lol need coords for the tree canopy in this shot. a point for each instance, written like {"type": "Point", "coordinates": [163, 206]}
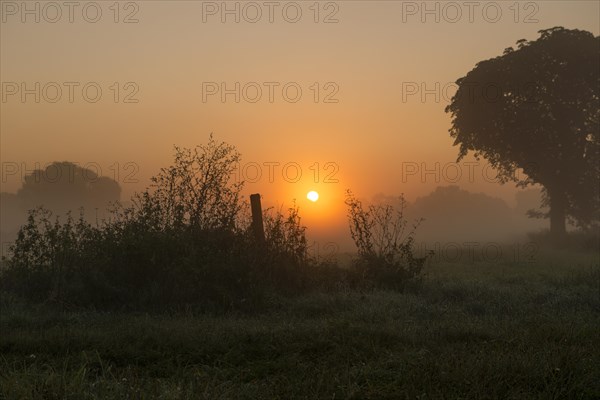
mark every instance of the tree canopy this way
{"type": "Point", "coordinates": [536, 108]}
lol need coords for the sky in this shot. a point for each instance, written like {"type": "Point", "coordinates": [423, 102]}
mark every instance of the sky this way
{"type": "Point", "coordinates": [324, 96]}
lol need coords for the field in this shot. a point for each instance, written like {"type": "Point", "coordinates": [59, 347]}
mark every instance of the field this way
{"type": "Point", "coordinates": [470, 331]}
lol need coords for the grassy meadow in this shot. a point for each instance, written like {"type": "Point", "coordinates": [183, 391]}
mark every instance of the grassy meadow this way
{"type": "Point", "coordinates": [527, 330]}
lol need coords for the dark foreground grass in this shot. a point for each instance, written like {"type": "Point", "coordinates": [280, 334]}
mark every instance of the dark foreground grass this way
{"type": "Point", "coordinates": [469, 332]}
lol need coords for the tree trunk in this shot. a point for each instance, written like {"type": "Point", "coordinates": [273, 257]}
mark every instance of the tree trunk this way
{"type": "Point", "coordinates": [558, 229]}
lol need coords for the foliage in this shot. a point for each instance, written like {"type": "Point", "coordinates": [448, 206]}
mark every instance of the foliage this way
{"type": "Point", "coordinates": [385, 247]}
{"type": "Point", "coordinates": [585, 217]}
{"type": "Point", "coordinates": [537, 108]}
{"type": "Point", "coordinates": [285, 234]}
{"type": "Point", "coordinates": [47, 256]}
{"type": "Point", "coordinates": [184, 240]}
{"type": "Point", "coordinates": [197, 191]}
{"type": "Point", "coordinates": [187, 240]}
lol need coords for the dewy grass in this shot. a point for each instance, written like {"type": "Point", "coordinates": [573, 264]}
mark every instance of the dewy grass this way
{"type": "Point", "coordinates": [514, 333]}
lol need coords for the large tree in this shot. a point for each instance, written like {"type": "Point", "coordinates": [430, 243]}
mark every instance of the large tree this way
{"type": "Point", "coordinates": [536, 108]}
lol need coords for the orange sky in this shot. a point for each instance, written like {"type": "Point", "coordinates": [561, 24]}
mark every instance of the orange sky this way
{"type": "Point", "coordinates": [365, 139]}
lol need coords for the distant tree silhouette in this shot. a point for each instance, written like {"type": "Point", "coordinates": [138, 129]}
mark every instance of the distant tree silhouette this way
{"type": "Point", "coordinates": [64, 186]}
{"type": "Point", "coordinates": [457, 215]}
{"type": "Point", "coordinates": [537, 108]}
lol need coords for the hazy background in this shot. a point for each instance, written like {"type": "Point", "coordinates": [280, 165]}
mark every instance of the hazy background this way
{"type": "Point", "coordinates": [377, 139]}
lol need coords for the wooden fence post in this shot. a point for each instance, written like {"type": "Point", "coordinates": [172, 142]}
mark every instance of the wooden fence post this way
{"type": "Point", "coordinates": [257, 218]}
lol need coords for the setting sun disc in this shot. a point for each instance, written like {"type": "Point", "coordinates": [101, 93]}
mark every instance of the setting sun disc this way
{"type": "Point", "coordinates": [312, 196]}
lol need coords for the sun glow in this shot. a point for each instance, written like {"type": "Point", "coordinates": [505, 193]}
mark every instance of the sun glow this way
{"type": "Point", "coordinates": [312, 196]}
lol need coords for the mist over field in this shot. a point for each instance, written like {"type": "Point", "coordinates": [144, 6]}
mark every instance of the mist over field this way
{"type": "Point", "coordinates": [447, 212]}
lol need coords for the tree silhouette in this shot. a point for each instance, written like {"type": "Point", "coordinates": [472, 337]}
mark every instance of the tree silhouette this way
{"type": "Point", "coordinates": [536, 108]}
{"type": "Point", "coordinates": [65, 186]}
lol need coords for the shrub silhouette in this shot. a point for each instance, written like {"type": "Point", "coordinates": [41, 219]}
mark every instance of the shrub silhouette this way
{"type": "Point", "coordinates": [184, 240]}
{"type": "Point", "coordinates": [286, 248]}
{"type": "Point", "coordinates": [187, 240]}
{"type": "Point", "coordinates": [385, 247]}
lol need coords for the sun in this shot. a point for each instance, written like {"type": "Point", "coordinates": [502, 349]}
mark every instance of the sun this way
{"type": "Point", "coordinates": [312, 196]}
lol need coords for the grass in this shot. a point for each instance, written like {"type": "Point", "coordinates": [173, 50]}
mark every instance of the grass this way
{"type": "Point", "coordinates": [471, 331]}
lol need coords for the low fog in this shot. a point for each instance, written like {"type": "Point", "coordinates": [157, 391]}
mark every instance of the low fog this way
{"type": "Point", "coordinates": [450, 213]}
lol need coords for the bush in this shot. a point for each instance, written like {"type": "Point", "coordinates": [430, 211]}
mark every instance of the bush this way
{"type": "Point", "coordinates": [184, 240]}
{"type": "Point", "coordinates": [45, 255]}
{"type": "Point", "coordinates": [385, 248]}
{"type": "Point", "coordinates": [187, 240]}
